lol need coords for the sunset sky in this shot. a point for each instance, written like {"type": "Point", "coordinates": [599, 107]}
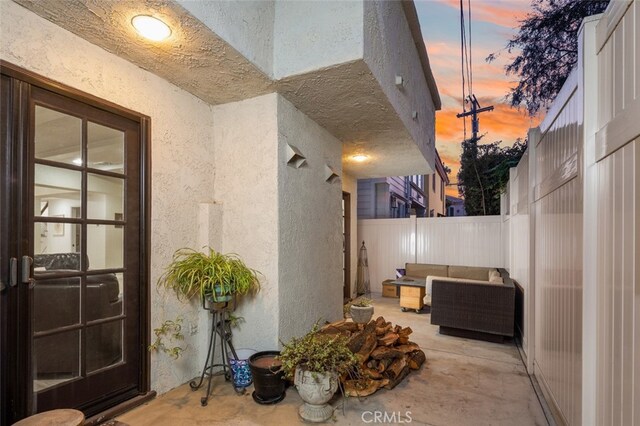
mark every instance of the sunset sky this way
{"type": "Point", "coordinates": [493, 23]}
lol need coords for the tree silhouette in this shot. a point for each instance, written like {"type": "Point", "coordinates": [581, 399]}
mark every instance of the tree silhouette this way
{"type": "Point", "coordinates": [547, 49]}
{"type": "Point", "coordinates": [484, 173]}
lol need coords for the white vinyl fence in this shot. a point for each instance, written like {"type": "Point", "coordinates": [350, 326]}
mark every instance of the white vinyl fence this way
{"type": "Point", "coordinates": [574, 231]}
{"type": "Point", "coordinates": [569, 233]}
{"type": "Point", "coordinates": [470, 241]}
{"type": "Point", "coordinates": [612, 311]}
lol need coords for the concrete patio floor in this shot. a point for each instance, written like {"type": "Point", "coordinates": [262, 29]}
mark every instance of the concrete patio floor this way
{"type": "Point", "coordinates": [463, 382]}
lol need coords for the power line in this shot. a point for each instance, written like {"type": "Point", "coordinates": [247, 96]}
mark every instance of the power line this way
{"type": "Point", "coordinates": [466, 62]}
{"type": "Point", "coordinates": [462, 62]}
{"type": "Point", "coordinates": [466, 59]}
{"type": "Point", "coordinates": [469, 53]}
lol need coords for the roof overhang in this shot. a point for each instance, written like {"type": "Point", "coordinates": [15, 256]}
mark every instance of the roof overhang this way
{"type": "Point", "coordinates": [350, 99]}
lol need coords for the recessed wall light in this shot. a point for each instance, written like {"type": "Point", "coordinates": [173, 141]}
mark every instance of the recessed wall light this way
{"type": "Point", "coordinates": [359, 158]}
{"type": "Point", "coordinates": [150, 27]}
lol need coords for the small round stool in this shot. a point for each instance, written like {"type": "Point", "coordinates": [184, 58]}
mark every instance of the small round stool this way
{"type": "Point", "coordinates": [65, 417]}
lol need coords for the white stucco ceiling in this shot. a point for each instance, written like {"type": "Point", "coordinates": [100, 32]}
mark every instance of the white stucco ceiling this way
{"type": "Point", "coordinates": [346, 99]}
{"type": "Point", "coordinates": [193, 57]}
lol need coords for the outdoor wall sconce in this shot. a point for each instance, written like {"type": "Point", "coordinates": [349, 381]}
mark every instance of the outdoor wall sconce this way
{"type": "Point", "coordinates": [399, 82]}
{"type": "Point", "coordinates": [330, 175]}
{"type": "Point", "coordinates": [295, 157]}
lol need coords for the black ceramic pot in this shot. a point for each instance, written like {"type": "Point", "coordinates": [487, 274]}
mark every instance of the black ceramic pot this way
{"type": "Point", "coordinates": [268, 381]}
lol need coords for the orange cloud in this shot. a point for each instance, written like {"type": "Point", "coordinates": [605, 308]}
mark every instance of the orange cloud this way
{"type": "Point", "coordinates": [503, 123]}
{"type": "Point", "coordinates": [505, 13]}
{"type": "Point", "coordinates": [490, 84]}
{"type": "Point", "coordinates": [489, 79]}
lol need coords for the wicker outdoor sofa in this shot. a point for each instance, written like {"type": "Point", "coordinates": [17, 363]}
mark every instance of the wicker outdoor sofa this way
{"type": "Point", "coordinates": [468, 301]}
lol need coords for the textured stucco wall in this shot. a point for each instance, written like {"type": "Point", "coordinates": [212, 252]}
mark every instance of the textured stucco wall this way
{"type": "Point", "coordinates": [181, 147]}
{"type": "Point", "coordinates": [311, 35]}
{"type": "Point", "coordinates": [246, 182]}
{"type": "Point", "coordinates": [350, 185]}
{"type": "Point", "coordinates": [284, 222]}
{"type": "Point", "coordinates": [245, 25]}
{"type": "Point", "coordinates": [193, 57]}
{"type": "Point", "coordinates": [327, 59]}
{"type": "Point", "coordinates": [389, 50]}
{"type": "Point", "coordinates": [310, 215]}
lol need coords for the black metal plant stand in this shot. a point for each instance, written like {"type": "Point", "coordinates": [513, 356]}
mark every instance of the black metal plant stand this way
{"type": "Point", "coordinates": [220, 327]}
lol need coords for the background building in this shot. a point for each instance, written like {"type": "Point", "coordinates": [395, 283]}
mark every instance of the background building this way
{"type": "Point", "coordinates": [435, 185]}
{"type": "Point", "coordinates": [399, 196]}
{"type": "Point", "coordinates": [455, 206]}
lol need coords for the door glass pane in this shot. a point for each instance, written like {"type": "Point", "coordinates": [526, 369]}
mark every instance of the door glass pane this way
{"type": "Point", "coordinates": [56, 192]}
{"type": "Point", "coordinates": [105, 148]}
{"type": "Point", "coordinates": [105, 197]}
{"type": "Point", "coordinates": [104, 345]}
{"type": "Point", "coordinates": [56, 247]}
{"type": "Point", "coordinates": [56, 359]}
{"type": "Point", "coordinates": [58, 136]}
{"type": "Point", "coordinates": [56, 303]}
{"type": "Point", "coordinates": [105, 246]}
{"type": "Point", "coordinates": [104, 296]}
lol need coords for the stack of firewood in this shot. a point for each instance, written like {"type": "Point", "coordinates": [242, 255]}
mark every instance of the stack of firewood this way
{"type": "Point", "coordinates": [384, 351]}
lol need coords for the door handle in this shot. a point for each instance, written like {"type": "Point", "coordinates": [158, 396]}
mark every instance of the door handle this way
{"type": "Point", "coordinates": [26, 270]}
{"type": "Point", "coordinates": [13, 272]}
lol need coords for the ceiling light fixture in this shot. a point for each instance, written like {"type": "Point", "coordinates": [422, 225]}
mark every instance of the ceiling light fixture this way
{"type": "Point", "coordinates": [359, 158]}
{"type": "Point", "coordinates": [150, 27]}
{"type": "Point", "coordinates": [77, 161]}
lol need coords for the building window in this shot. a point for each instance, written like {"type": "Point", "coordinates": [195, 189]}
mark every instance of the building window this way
{"type": "Point", "coordinates": [433, 182]}
{"type": "Point", "coordinates": [394, 207]}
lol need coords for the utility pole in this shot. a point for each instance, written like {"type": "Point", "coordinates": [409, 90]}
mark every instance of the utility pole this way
{"type": "Point", "coordinates": [473, 112]}
{"type": "Point", "coordinates": [475, 128]}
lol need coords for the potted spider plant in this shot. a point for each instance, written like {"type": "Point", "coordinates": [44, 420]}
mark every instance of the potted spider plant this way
{"type": "Point", "coordinates": [316, 362]}
{"type": "Point", "coordinates": [213, 276]}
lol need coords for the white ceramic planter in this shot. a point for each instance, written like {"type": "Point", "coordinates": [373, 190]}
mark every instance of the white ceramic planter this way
{"type": "Point", "coordinates": [361, 315]}
{"type": "Point", "coordinates": [315, 392]}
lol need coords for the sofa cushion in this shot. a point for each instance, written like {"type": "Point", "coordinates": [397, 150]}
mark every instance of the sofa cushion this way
{"type": "Point", "coordinates": [423, 270]}
{"type": "Point", "coordinates": [429, 286]}
{"type": "Point", "coordinates": [57, 261]}
{"type": "Point", "coordinates": [465, 281]}
{"type": "Point", "coordinates": [470, 272]}
{"type": "Point", "coordinates": [495, 277]}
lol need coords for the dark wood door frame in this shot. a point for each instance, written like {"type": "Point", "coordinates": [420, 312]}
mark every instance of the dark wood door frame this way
{"type": "Point", "coordinates": [16, 86]}
{"type": "Point", "coordinates": [346, 197]}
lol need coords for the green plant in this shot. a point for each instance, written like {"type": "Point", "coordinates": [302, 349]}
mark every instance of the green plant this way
{"type": "Point", "coordinates": [363, 302]}
{"type": "Point", "coordinates": [318, 353]}
{"type": "Point", "coordinates": [171, 330]}
{"type": "Point", "coordinates": [235, 321]}
{"type": "Point", "coordinates": [214, 274]}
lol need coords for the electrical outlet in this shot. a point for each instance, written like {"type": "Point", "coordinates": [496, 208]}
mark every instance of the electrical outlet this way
{"type": "Point", "coordinates": [194, 329]}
